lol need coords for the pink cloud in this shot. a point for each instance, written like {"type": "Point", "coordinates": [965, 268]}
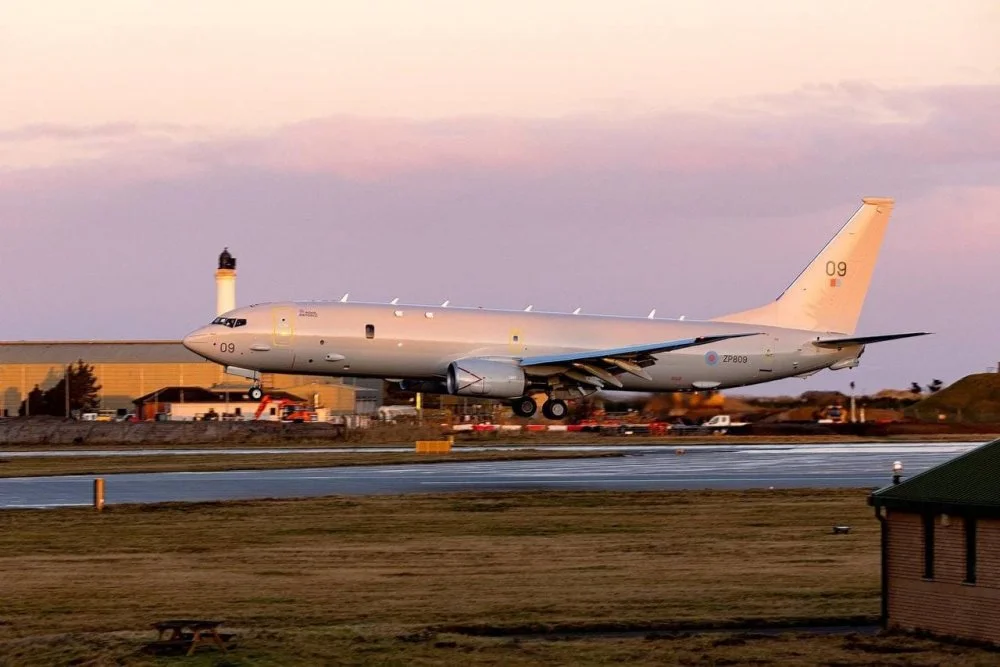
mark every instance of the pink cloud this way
{"type": "Point", "coordinates": [822, 124]}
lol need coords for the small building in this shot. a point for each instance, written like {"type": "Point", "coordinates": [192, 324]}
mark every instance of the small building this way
{"type": "Point", "coordinates": [941, 548]}
{"type": "Point", "coordinates": [198, 403]}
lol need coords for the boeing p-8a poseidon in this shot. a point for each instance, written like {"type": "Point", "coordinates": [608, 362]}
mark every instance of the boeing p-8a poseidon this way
{"type": "Point", "coordinates": [514, 355]}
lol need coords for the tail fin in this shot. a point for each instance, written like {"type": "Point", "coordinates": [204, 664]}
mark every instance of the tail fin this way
{"type": "Point", "coordinates": [829, 294]}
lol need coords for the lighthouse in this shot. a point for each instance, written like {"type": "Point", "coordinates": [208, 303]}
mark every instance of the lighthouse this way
{"type": "Point", "coordinates": [225, 283]}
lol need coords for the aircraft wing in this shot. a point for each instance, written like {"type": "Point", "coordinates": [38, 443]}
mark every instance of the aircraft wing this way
{"type": "Point", "coordinates": [595, 367]}
{"type": "Point", "coordinates": [864, 340]}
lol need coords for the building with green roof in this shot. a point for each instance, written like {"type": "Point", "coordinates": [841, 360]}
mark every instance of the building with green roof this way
{"type": "Point", "coordinates": [941, 548]}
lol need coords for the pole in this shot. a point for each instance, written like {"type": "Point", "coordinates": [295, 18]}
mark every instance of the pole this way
{"type": "Point", "coordinates": [99, 494]}
{"type": "Point", "coordinates": [66, 387]}
{"type": "Point", "coordinates": [853, 417]}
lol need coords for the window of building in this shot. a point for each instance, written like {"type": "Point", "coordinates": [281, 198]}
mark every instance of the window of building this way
{"type": "Point", "coordinates": [369, 331]}
{"type": "Point", "coordinates": [928, 546]}
{"type": "Point", "coordinates": [970, 550]}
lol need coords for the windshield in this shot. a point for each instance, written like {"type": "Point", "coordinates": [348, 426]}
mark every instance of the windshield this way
{"type": "Point", "coordinates": [229, 321]}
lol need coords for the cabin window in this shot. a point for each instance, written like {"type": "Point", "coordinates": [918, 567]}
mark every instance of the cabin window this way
{"type": "Point", "coordinates": [928, 546]}
{"type": "Point", "coordinates": [970, 550]}
{"type": "Point", "coordinates": [369, 331]}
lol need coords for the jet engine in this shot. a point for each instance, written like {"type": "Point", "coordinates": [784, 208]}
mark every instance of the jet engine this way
{"type": "Point", "coordinates": [486, 378]}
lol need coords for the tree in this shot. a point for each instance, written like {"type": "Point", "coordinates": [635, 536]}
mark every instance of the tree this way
{"type": "Point", "coordinates": [935, 386]}
{"type": "Point", "coordinates": [34, 404]}
{"type": "Point", "coordinates": [916, 388]}
{"type": "Point", "coordinates": [83, 391]}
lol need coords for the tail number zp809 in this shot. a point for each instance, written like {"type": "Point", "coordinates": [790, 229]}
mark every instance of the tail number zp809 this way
{"type": "Point", "coordinates": [735, 359]}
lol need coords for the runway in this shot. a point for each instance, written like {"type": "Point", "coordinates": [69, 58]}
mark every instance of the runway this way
{"type": "Point", "coordinates": [642, 468]}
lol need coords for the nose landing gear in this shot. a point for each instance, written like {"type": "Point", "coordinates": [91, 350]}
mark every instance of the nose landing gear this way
{"type": "Point", "coordinates": [256, 393]}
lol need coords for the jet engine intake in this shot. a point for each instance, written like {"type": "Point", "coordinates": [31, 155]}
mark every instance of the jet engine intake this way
{"type": "Point", "coordinates": [486, 378]}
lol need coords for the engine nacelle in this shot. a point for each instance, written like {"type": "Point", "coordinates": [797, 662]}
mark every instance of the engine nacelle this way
{"type": "Point", "coordinates": [489, 379]}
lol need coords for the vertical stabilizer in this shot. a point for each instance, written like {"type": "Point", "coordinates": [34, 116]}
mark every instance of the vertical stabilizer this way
{"type": "Point", "coordinates": [829, 294]}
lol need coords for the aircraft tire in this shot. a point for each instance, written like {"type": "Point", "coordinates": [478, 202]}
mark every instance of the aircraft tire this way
{"type": "Point", "coordinates": [524, 406]}
{"type": "Point", "coordinates": [555, 409]}
{"type": "Point", "coordinates": [256, 393]}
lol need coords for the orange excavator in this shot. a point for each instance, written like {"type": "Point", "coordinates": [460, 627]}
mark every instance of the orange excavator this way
{"type": "Point", "coordinates": [288, 411]}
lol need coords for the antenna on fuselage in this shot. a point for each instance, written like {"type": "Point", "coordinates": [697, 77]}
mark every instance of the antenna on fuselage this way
{"type": "Point", "coordinates": [651, 313]}
{"type": "Point", "coordinates": [682, 317]}
{"type": "Point", "coordinates": [343, 299]}
{"type": "Point", "coordinates": [576, 312]}
{"type": "Point", "coordinates": [528, 309]}
{"type": "Point", "coordinates": [445, 304]}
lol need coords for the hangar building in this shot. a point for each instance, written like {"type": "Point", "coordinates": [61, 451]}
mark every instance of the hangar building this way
{"type": "Point", "coordinates": [128, 369]}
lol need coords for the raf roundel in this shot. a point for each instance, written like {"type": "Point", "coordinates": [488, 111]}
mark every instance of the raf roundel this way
{"type": "Point", "coordinates": [711, 358]}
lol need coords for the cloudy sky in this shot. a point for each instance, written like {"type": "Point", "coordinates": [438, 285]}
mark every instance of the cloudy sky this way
{"type": "Point", "coordinates": [622, 156]}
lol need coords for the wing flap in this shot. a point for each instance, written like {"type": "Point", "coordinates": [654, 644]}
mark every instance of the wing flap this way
{"type": "Point", "coordinates": [864, 340]}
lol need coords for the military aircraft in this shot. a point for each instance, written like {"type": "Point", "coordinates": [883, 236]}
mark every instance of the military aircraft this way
{"type": "Point", "coordinates": [516, 355]}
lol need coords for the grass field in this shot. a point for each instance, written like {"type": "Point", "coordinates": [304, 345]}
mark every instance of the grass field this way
{"type": "Point", "coordinates": [405, 580]}
{"type": "Point", "coordinates": [106, 465]}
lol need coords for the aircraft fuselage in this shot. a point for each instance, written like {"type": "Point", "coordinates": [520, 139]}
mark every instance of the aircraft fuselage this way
{"type": "Point", "coordinates": [419, 342]}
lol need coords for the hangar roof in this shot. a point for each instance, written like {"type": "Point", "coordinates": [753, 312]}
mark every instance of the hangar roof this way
{"type": "Point", "coordinates": [96, 352]}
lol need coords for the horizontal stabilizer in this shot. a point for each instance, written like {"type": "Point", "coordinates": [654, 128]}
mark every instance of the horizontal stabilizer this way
{"type": "Point", "coordinates": [864, 340]}
{"type": "Point", "coordinates": [619, 352]}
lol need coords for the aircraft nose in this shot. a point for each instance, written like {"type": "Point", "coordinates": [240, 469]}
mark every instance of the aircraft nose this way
{"type": "Point", "coordinates": [198, 341]}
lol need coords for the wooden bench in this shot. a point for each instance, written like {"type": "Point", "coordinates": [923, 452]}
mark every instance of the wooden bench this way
{"type": "Point", "coordinates": [190, 634]}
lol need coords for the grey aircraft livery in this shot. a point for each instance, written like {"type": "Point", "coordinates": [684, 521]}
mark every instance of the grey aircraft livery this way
{"type": "Point", "coordinates": [515, 355]}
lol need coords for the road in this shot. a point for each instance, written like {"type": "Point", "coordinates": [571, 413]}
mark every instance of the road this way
{"type": "Point", "coordinates": [642, 468]}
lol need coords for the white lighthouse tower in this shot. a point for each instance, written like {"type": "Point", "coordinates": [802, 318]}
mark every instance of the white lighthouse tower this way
{"type": "Point", "coordinates": [225, 283]}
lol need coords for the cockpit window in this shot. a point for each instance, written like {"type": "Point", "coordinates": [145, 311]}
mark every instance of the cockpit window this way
{"type": "Point", "coordinates": [230, 321]}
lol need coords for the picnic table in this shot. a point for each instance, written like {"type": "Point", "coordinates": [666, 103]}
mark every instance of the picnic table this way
{"type": "Point", "coordinates": [189, 633]}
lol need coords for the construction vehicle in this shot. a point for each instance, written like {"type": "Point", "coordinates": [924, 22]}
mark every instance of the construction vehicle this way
{"type": "Point", "coordinates": [832, 414]}
{"type": "Point", "coordinates": [287, 410]}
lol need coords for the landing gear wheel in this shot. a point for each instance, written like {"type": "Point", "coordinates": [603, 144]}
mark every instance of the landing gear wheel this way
{"type": "Point", "coordinates": [524, 406]}
{"type": "Point", "coordinates": [554, 409]}
{"type": "Point", "coordinates": [256, 393]}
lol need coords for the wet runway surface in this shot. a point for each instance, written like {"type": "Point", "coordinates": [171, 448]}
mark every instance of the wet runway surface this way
{"type": "Point", "coordinates": [642, 468]}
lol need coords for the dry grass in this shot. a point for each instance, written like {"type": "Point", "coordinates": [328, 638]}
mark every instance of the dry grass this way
{"type": "Point", "coordinates": [107, 465]}
{"type": "Point", "coordinates": [385, 580]}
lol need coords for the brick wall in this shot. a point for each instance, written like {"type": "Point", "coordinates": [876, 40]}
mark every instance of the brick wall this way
{"type": "Point", "coordinates": [944, 605]}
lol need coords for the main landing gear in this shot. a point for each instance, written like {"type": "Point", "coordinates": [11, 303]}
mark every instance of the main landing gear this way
{"type": "Point", "coordinates": [555, 408]}
{"type": "Point", "coordinates": [552, 409]}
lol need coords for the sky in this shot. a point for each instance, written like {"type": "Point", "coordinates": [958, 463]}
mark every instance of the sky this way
{"type": "Point", "coordinates": [619, 157]}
